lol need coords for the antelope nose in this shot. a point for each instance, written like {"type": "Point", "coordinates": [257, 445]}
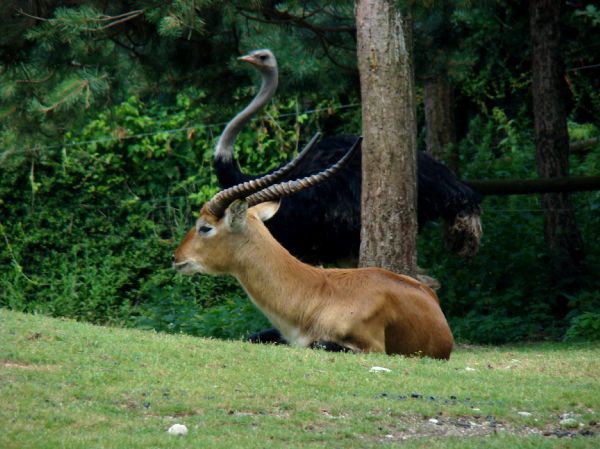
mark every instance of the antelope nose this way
{"type": "Point", "coordinates": [173, 259]}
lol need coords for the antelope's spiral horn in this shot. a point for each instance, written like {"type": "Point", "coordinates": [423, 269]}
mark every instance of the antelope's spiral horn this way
{"type": "Point", "coordinates": [224, 198]}
{"type": "Point", "coordinates": [290, 187]}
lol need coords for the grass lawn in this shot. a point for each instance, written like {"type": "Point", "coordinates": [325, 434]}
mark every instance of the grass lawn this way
{"type": "Point", "coordinates": [70, 385]}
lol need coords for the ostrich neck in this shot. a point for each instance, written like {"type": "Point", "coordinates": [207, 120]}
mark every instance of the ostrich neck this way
{"type": "Point", "coordinates": [268, 87]}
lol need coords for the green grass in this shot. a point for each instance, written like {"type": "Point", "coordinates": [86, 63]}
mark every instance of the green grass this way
{"type": "Point", "coordinates": [70, 385]}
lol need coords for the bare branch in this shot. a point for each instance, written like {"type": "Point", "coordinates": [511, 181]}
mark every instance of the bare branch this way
{"type": "Point", "coordinates": [582, 145]}
{"type": "Point", "coordinates": [539, 185]}
{"type": "Point", "coordinates": [284, 16]}
{"type": "Point", "coordinates": [82, 85]}
{"type": "Point", "coordinates": [40, 81]}
{"type": "Point", "coordinates": [116, 19]}
{"type": "Point", "coordinates": [23, 13]}
{"type": "Point", "coordinates": [129, 16]}
{"type": "Point", "coordinates": [278, 17]}
{"type": "Point", "coordinates": [136, 12]}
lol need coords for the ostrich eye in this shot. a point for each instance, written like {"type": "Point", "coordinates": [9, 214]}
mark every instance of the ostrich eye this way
{"type": "Point", "coordinates": [263, 57]}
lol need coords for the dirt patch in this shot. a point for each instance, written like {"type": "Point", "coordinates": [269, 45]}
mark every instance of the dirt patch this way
{"type": "Point", "coordinates": [472, 426]}
{"type": "Point", "coordinates": [414, 427]}
{"type": "Point", "coordinates": [26, 366]}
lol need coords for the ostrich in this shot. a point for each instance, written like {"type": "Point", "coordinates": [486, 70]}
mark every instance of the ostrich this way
{"type": "Point", "coordinates": [322, 224]}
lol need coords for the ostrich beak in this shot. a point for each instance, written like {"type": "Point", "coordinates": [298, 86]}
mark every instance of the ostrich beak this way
{"type": "Point", "coordinates": [247, 58]}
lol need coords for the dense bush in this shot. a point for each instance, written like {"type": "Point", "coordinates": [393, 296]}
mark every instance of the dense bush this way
{"type": "Point", "coordinates": [505, 293]}
{"type": "Point", "coordinates": [88, 229]}
{"type": "Point", "coordinates": [90, 225]}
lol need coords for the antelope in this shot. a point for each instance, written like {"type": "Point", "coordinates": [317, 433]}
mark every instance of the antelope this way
{"type": "Point", "coordinates": [355, 309]}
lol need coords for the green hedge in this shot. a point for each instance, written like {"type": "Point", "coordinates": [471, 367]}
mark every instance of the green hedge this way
{"type": "Point", "coordinates": [88, 230]}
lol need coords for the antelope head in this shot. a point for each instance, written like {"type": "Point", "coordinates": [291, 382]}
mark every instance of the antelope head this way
{"type": "Point", "coordinates": [211, 246]}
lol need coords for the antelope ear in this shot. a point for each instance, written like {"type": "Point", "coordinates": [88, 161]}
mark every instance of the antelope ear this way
{"type": "Point", "coordinates": [264, 211]}
{"type": "Point", "coordinates": [235, 216]}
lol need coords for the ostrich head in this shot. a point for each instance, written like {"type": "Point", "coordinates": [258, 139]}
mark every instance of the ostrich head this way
{"type": "Point", "coordinates": [263, 59]}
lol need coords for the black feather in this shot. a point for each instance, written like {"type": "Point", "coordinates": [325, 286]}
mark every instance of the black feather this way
{"type": "Point", "coordinates": [322, 224]}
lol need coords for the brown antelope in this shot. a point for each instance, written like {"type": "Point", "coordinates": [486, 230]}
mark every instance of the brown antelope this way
{"type": "Point", "coordinates": [361, 309]}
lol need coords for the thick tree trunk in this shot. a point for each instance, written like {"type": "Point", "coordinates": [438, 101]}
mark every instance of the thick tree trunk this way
{"type": "Point", "coordinates": [388, 208]}
{"type": "Point", "coordinates": [552, 140]}
{"type": "Point", "coordinates": [438, 99]}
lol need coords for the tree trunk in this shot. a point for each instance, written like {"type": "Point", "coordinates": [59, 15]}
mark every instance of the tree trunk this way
{"type": "Point", "coordinates": [552, 141]}
{"type": "Point", "coordinates": [438, 99]}
{"type": "Point", "coordinates": [388, 207]}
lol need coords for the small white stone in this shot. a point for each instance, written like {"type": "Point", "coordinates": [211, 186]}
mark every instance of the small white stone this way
{"type": "Point", "coordinates": [468, 368]}
{"type": "Point", "coordinates": [568, 415]}
{"type": "Point", "coordinates": [379, 369]}
{"type": "Point", "coordinates": [569, 423]}
{"type": "Point", "coordinates": [433, 421]}
{"type": "Point", "coordinates": [389, 436]}
{"type": "Point", "coordinates": [178, 429]}
{"type": "Point", "coordinates": [524, 413]}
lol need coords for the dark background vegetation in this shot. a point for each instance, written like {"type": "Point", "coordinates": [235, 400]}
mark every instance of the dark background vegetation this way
{"type": "Point", "coordinates": [110, 110]}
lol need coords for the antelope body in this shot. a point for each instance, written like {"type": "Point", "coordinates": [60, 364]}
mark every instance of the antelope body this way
{"type": "Point", "coordinates": [361, 309]}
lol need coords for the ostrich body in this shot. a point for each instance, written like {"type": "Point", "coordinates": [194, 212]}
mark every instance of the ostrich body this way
{"type": "Point", "coordinates": [322, 224]}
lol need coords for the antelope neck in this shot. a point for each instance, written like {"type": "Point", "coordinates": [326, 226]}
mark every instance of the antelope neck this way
{"type": "Point", "coordinates": [278, 283]}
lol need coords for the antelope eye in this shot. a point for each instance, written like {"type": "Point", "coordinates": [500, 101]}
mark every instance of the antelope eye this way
{"type": "Point", "coordinates": [204, 229]}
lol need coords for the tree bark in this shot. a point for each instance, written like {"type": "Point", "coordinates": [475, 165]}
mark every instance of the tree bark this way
{"type": "Point", "coordinates": [552, 140]}
{"type": "Point", "coordinates": [440, 132]}
{"type": "Point", "coordinates": [389, 201]}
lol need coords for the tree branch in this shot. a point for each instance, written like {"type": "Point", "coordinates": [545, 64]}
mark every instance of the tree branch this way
{"type": "Point", "coordinates": [277, 17]}
{"type": "Point", "coordinates": [286, 17]}
{"type": "Point", "coordinates": [121, 15]}
{"type": "Point", "coordinates": [530, 186]}
{"type": "Point", "coordinates": [20, 11]}
{"type": "Point", "coordinates": [125, 17]}
{"type": "Point", "coordinates": [40, 81]}
{"type": "Point", "coordinates": [582, 145]}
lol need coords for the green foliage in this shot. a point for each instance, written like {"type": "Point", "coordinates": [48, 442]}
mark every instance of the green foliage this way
{"type": "Point", "coordinates": [233, 318]}
{"type": "Point", "coordinates": [585, 327]}
{"type": "Point", "coordinates": [591, 13]}
{"type": "Point", "coordinates": [584, 317]}
{"type": "Point", "coordinates": [505, 292]}
{"type": "Point", "coordinates": [88, 228]}
{"type": "Point", "coordinates": [88, 225]}
{"type": "Point", "coordinates": [62, 67]}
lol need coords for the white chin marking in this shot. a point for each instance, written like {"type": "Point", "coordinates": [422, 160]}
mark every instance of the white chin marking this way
{"type": "Point", "coordinates": [190, 267]}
